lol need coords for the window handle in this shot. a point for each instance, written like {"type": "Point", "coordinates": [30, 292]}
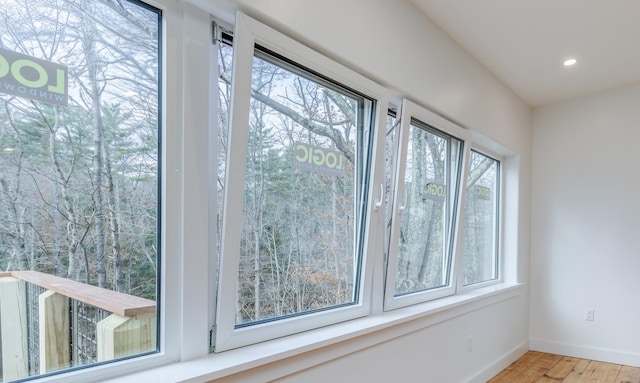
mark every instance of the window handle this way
{"type": "Point", "coordinates": [379, 201]}
{"type": "Point", "coordinates": [403, 206]}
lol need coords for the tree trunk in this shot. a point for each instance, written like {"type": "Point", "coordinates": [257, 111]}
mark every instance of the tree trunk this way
{"type": "Point", "coordinates": [114, 223]}
{"type": "Point", "coordinates": [11, 194]}
{"type": "Point", "coordinates": [18, 254]}
{"type": "Point", "coordinates": [428, 273]}
{"type": "Point", "coordinates": [74, 268]}
{"type": "Point", "coordinates": [88, 45]}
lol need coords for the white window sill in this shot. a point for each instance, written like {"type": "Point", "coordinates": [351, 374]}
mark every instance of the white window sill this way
{"type": "Point", "coordinates": [361, 333]}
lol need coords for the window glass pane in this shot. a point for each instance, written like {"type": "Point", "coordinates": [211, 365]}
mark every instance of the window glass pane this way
{"type": "Point", "coordinates": [481, 220]}
{"type": "Point", "coordinates": [303, 193]}
{"type": "Point", "coordinates": [390, 146]}
{"type": "Point", "coordinates": [79, 175]}
{"type": "Point", "coordinates": [225, 56]}
{"type": "Point", "coordinates": [424, 252]}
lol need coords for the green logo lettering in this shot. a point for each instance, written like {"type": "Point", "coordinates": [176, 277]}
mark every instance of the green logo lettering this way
{"type": "Point", "coordinates": [60, 82]}
{"type": "Point", "coordinates": [16, 71]}
{"type": "Point", "coordinates": [4, 66]}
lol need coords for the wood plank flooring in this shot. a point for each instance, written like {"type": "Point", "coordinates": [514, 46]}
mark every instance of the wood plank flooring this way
{"type": "Point", "coordinates": [540, 367]}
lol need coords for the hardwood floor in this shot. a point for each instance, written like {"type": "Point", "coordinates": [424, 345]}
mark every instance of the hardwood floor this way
{"type": "Point", "coordinates": [539, 367]}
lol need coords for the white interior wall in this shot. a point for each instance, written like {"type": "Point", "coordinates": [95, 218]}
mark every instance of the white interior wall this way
{"type": "Point", "coordinates": [432, 354]}
{"type": "Point", "coordinates": [585, 240]}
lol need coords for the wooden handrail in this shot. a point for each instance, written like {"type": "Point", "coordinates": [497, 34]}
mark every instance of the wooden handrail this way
{"type": "Point", "coordinates": [108, 300]}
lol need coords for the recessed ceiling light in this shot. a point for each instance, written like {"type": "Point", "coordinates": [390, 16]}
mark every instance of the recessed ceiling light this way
{"type": "Point", "coordinates": [570, 62]}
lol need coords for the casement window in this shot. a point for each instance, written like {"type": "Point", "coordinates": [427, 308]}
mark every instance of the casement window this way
{"type": "Point", "coordinates": [300, 156]}
{"type": "Point", "coordinates": [443, 231]}
{"type": "Point", "coordinates": [299, 204]}
{"type": "Point", "coordinates": [425, 220]}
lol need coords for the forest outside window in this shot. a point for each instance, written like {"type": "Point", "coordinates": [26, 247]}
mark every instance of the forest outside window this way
{"type": "Point", "coordinates": [303, 193]}
{"type": "Point", "coordinates": [79, 182]}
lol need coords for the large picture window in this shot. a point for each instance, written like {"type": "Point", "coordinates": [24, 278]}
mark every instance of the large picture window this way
{"type": "Point", "coordinates": [79, 183]}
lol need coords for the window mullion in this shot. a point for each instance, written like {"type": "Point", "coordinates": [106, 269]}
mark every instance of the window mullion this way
{"type": "Point", "coordinates": [195, 177]}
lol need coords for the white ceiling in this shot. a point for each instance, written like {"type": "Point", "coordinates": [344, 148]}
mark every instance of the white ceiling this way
{"type": "Point", "coordinates": [524, 42]}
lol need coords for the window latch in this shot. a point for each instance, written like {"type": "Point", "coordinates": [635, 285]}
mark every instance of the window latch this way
{"type": "Point", "coordinates": [379, 201]}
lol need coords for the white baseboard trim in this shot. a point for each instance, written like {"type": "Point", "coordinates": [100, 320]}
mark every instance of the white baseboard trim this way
{"type": "Point", "coordinates": [499, 365]}
{"type": "Point", "coordinates": [584, 352]}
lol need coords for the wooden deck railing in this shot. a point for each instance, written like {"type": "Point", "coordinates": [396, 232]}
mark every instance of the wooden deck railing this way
{"type": "Point", "coordinates": [129, 330]}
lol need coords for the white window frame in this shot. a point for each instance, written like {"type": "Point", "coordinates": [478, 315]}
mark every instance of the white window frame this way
{"type": "Point", "coordinates": [185, 256]}
{"type": "Point", "coordinates": [499, 227]}
{"type": "Point", "coordinates": [248, 33]}
{"type": "Point", "coordinates": [411, 110]}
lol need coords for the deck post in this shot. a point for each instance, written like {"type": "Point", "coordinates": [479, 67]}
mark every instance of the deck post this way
{"type": "Point", "coordinates": [54, 332]}
{"type": "Point", "coordinates": [13, 325]}
{"type": "Point", "coordinates": [120, 336]}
